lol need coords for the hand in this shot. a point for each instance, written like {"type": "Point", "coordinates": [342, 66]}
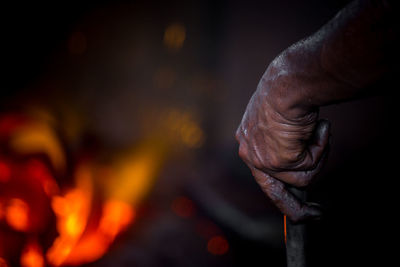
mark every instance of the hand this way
{"type": "Point", "coordinates": [281, 146]}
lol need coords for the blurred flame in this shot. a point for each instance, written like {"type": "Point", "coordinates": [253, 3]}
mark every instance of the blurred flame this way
{"type": "Point", "coordinates": [3, 262]}
{"type": "Point", "coordinates": [32, 256]}
{"type": "Point", "coordinates": [38, 137]}
{"type": "Point", "coordinates": [184, 126]}
{"type": "Point", "coordinates": [133, 174]}
{"type": "Point", "coordinates": [39, 171]}
{"type": "Point", "coordinates": [5, 172]}
{"type": "Point", "coordinates": [116, 216]}
{"type": "Point", "coordinates": [17, 214]}
{"type": "Point", "coordinates": [174, 36]}
{"type": "Point", "coordinates": [72, 211]}
{"type": "Point", "coordinates": [218, 245]}
{"type": "Point", "coordinates": [1, 211]}
{"type": "Point", "coordinates": [129, 179]}
{"type": "Point", "coordinates": [86, 228]}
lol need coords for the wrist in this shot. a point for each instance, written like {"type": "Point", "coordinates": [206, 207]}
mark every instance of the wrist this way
{"type": "Point", "coordinates": [289, 84]}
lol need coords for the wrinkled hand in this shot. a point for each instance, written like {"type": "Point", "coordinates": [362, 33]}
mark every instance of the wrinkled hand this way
{"type": "Point", "coordinates": [282, 148]}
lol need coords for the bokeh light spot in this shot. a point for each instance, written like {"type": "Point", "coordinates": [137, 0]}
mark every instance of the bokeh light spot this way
{"type": "Point", "coordinates": [32, 256]}
{"type": "Point", "coordinates": [17, 214]}
{"type": "Point", "coordinates": [3, 262]}
{"type": "Point", "coordinates": [183, 207]}
{"type": "Point", "coordinates": [174, 36]}
{"type": "Point", "coordinates": [218, 245]}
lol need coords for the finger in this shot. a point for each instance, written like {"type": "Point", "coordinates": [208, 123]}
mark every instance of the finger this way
{"type": "Point", "coordinates": [315, 149]}
{"type": "Point", "coordinates": [301, 178]}
{"type": "Point", "coordinates": [288, 204]}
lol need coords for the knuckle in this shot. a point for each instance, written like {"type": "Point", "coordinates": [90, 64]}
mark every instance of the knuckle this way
{"type": "Point", "coordinates": [259, 163]}
{"type": "Point", "coordinates": [292, 157]}
{"type": "Point", "coordinates": [243, 152]}
{"type": "Point", "coordinates": [273, 163]}
{"type": "Point", "coordinates": [238, 134]}
{"type": "Point", "coordinates": [304, 179]}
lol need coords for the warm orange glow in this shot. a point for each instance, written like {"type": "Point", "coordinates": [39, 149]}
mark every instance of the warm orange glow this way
{"type": "Point", "coordinates": [3, 262]}
{"type": "Point", "coordinates": [32, 256]}
{"type": "Point", "coordinates": [38, 138]}
{"type": "Point", "coordinates": [192, 135]}
{"type": "Point", "coordinates": [5, 172]}
{"type": "Point", "coordinates": [39, 171]}
{"type": "Point", "coordinates": [284, 227]}
{"type": "Point", "coordinates": [218, 245]}
{"type": "Point", "coordinates": [132, 176]}
{"type": "Point", "coordinates": [184, 127]}
{"type": "Point", "coordinates": [1, 210]}
{"type": "Point", "coordinates": [17, 214]}
{"type": "Point", "coordinates": [72, 211]}
{"type": "Point", "coordinates": [183, 207]}
{"type": "Point", "coordinates": [90, 248]}
{"type": "Point", "coordinates": [117, 215]}
{"type": "Point", "coordinates": [89, 214]}
{"type": "Point", "coordinates": [175, 36]}
{"type": "Point", "coordinates": [50, 187]}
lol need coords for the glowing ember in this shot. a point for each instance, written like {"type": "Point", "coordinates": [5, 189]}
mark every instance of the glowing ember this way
{"type": "Point", "coordinates": [217, 245]}
{"type": "Point", "coordinates": [5, 172]}
{"type": "Point", "coordinates": [32, 256]}
{"type": "Point", "coordinates": [174, 36]}
{"type": "Point", "coordinates": [3, 262]}
{"type": "Point", "coordinates": [17, 214]}
{"type": "Point", "coordinates": [72, 212]}
{"type": "Point", "coordinates": [1, 210]}
{"type": "Point", "coordinates": [116, 216]}
{"type": "Point", "coordinates": [89, 214]}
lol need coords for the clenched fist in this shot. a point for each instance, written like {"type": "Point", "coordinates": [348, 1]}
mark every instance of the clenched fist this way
{"type": "Point", "coordinates": [281, 138]}
{"type": "Point", "coordinates": [282, 147]}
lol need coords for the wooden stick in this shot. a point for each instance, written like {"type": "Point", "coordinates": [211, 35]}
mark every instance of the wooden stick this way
{"type": "Point", "coordinates": [296, 237]}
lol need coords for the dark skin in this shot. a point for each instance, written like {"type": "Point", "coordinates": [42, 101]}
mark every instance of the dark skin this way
{"type": "Point", "coordinates": [281, 138]}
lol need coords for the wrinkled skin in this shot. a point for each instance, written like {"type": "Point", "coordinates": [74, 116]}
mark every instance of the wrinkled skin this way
{"type": "Point", "coordinates": [281, 150]}
{"type": "Point", "coordinates": [281, 138]}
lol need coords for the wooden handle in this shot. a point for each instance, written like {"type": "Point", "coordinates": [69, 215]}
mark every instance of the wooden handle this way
{"type": "Point", "coordinates": [296, 237]}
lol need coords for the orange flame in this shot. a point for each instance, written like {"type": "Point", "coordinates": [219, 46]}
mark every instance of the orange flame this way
{"type": "Point", "coordinates": [3, 262]}
{"type": "Point", "coordinates": [72, 212]}
{"type": "Point", "coordinates": [17, 214]}
{"type": "Point", "coordinates": [80, 241]}
{"type": "Point", "coordinates": [5, 172]}
{"type": "Point", "coordinates": [116, 216]}
{"type": "Point", "coordinates": [85, 229]}
{"type": "Point", "coordinates": [32, 256]}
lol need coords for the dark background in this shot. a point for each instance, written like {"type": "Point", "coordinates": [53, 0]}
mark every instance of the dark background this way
{"type": "Point", "coordinates": [228, 46]}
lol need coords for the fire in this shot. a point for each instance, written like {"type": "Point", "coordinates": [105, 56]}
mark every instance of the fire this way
{"type": "Point", "coordinates": [82, 238]}
{"type": "Point", "coordinates": [117, 215]}
{"type": "Point", "coordinates": [17, 214]}
{"type": "Point", "coordinates": [3, 262]}
{"type": "Point", "coordinates": [100, 200]}
{"type": "Point", "coordinates": [32, 256]}
{"type": "Point", "coordinates": [72, 211]}
{"type": "Point", "coordinates": [5, 172]}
